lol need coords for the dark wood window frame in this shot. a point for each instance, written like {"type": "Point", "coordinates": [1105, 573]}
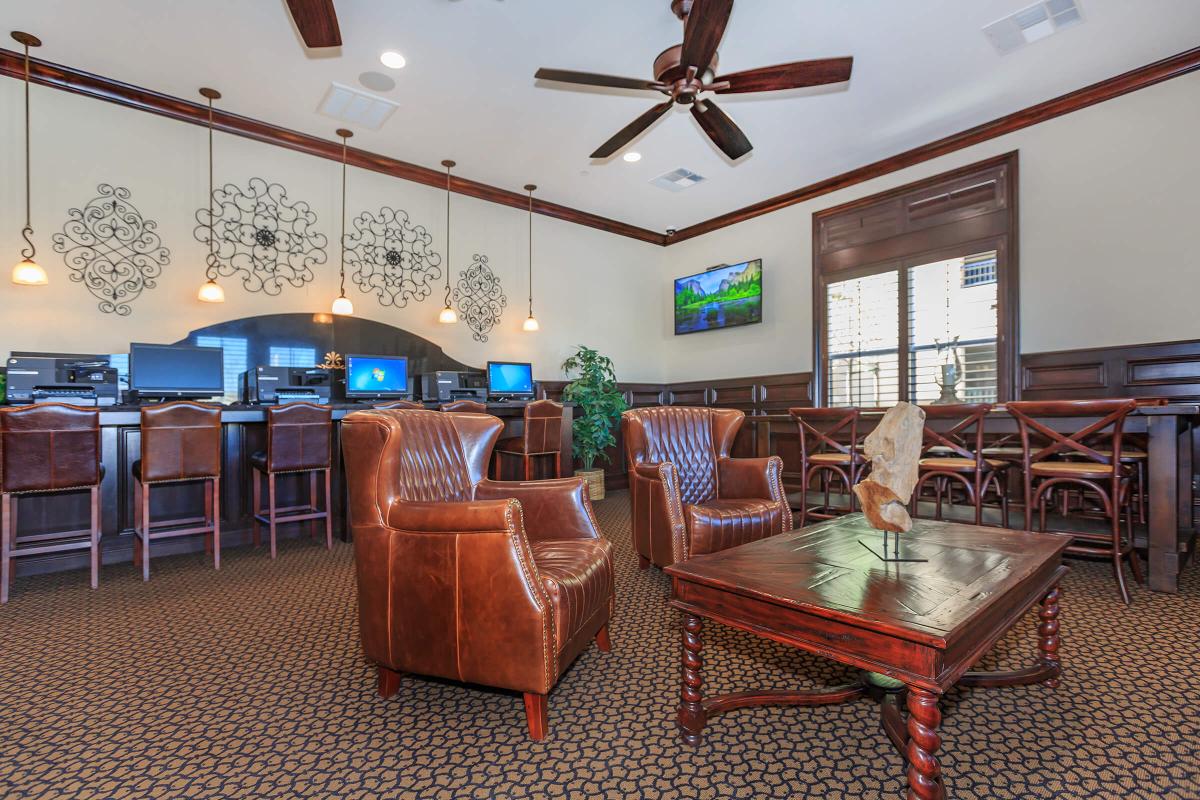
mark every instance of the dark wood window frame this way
{"type": "Point", "coordinates": [882, 233]}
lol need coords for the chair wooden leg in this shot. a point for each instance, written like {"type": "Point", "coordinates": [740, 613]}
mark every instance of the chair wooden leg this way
{"type": "Point", "coordinates": [312, 503]}
{"type": "Point", "coordinates": [602, 640]}
{"type": "Point", "coordinates": [388, 682]}
{"type": "Point", "coordinates": [146, 532]}
{"type": "Point", "coordinates": [208, 517]}
{"type": "Point", "coordinates": [6, 524]}
{"type": "Point", "coordinates": [137, 523]}
{"type": "Point", "coordinates": [643, 562]}
{"type": "Point", "coordinates": [271, 509]}
{"type": "Point", "coordinates": [215, 488]}
{"type": "Point", "coordinates": [535, 715]}
{"type": "Point", "coordinates": [1117, 558]}
{"type": "Point", "coordinates": [257, 509]}
{"type": "Point", "coordinates": [328, 510]}
{"type": "Point", "coordinates": [528, 468]}
{"type": "Point", "coordinates": [95, 537]}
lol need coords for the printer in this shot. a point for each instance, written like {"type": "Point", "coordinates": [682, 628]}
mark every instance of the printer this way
{"type": "Point", "coordinates": [87, 380]}
{"type": "Point", "coordinates": [446, 385]}
{"type": "Point", "coordinates": [271, 385]}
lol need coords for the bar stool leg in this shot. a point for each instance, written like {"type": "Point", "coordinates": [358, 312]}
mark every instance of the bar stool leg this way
{"type": "Point", "coordinates": [255, 524]}
{"type": "Point", "coordinates": [215, 488]}
{"type": "Point", "coordinates": [146, 532]}
{"type": "Point", "coordinates": [271, 509]}
{"type": "Point", "coordinates": [137, 523]}
{"type": "Point", "coordinates": [312, 503]}
{"type": "Point", "coordinates": [95, 536]}
{"type": "Point", "coordinates": [328, 510]}
{"type": "Point", "coordinates": [6, 525]}
{"type": "Point", "coordinates": [208, 517]}
{"type": "Point", "coordinates": [528, 465]}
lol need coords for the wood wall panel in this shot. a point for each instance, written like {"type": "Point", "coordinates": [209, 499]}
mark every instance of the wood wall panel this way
{"type": "Point", "coordinates": [1161, 369]}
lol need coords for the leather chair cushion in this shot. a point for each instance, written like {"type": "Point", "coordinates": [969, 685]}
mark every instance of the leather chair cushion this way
{"type": "Point", "coordinates": [578, 575]}
{"type": "Point", "coordinates": [721, 524]}
{"type": "Point", "coordinates": [957, 464]}
{"type": "Point", "coordinates": [511, 444]}
{"type": "Point", "coordinates": [137, 473]}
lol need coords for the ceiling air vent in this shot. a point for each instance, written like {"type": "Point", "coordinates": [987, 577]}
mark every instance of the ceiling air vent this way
{"type": "Point", "coordinates": [1031, 24]}
{"type": "Point", "coordinates": [677, 180]}
{"type": "Point", "coordinates": [356, 108]}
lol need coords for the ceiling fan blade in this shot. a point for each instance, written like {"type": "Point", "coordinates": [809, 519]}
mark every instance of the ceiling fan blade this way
{"type": "Point", "coordinates": [630, 131]}
{"type": "Point", "coordinates": [787, 76]}
{"type": "Point", "coordinates": [594, 79]}
{"type": "Point", "coordinates": [317, 22]}
{"type": "Point", "coordinates": [721, 129]}
{"type": "Point", "coordinates": [703, 31]}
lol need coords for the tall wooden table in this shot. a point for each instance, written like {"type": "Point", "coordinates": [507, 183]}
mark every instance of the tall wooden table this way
{"type": "Point", "coordinates": [923, 624]}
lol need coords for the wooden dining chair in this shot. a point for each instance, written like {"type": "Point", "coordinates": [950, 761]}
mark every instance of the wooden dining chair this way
{"type": "Point", "coordinates": [1102, 474]}
{"type": "Point", "coordinates": [829, 449]}
{"type": "Point", "coordinates": [955, 457]}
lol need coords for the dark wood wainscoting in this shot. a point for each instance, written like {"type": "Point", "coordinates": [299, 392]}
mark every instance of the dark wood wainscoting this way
{"type": "Point", "coordinates": [1163, 369]}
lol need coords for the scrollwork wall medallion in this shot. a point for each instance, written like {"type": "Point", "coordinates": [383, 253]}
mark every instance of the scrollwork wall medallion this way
{"type": "Point", "coordinates": [262, 236]}
{"type": "Point", "coordinates": [112, 249]}
{"type": "Point", "coordinates": [391, 258]}
{"type": "Point", "coordinates": [480, 298]}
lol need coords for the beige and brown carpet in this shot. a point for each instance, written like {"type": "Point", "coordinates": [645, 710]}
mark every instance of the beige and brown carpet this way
{"type": "Point", "coordinates": [249, 682]}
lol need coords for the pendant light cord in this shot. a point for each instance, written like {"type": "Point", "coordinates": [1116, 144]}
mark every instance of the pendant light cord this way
{"type": "Point", "coordinates": [342, 249]}
{"type": "Point", "coordinates": [27, 232]}
{"type": "Point", "coordinates": [447, 237]}
{"type": "Point", "coordinates": [210, 271]}
{"type": "Point", "coordinates": [531, 252]}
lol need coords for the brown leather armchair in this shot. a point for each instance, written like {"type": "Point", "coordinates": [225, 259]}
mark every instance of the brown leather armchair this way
{"type": "Point", "coordinates": [500, 584]}
{"type": "Point", "coordinates": [688, 496]}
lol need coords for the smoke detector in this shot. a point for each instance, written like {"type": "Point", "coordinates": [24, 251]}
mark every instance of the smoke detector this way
{"type": "Point", "coordinates": [677, 180]}
{"type": "Point", "coordinates": [1032, 24]}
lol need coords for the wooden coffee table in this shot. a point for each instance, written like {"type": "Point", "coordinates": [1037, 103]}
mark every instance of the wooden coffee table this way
{"type": "Point", "coordinates": [923, 624]}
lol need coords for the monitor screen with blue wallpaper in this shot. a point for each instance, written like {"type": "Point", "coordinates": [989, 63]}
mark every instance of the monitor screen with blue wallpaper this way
{"type": "Point", "coordinates": [509, 379]}
{"type": "Point", "coordinates": [376, 376]}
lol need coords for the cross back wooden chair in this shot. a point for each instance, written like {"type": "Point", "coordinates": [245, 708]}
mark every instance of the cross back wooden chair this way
{"type": "Point", "coordinates": [1099, 471]}
{"type": "Point", "coordinates": [955, 456]}
{"type": "Point", "coordinates": [829, 448]}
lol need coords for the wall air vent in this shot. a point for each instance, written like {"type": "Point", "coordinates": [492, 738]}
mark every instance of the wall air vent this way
{"type": "Point", "coordinates": [356, 107]}
{"type": "Point", "coordinates": [677, 180]}
{"type": "Point", "coordinates": [1032, 24]}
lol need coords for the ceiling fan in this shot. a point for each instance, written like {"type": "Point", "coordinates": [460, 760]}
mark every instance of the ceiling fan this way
{"type": "Point", "coordinates": [317, 22]}
{"type": "Point", "coordinates": [686, 70]}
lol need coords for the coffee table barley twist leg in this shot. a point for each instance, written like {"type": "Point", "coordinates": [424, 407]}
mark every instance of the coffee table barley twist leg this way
{"type": "Point", "coordinates": [692, 716]}
{"type": "Point", "coordinates": [1048, 640]}
{"type": "Point", "coordinates": [924, 772]}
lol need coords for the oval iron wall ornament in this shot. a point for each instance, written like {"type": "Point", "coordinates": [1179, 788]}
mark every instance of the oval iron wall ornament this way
{"type": "Point", "coordinates": [392, 258]}
{"type": "Point", "coordinates": [479, 298]}
{"type": "Point", "coordinates": [262, 236]}
{"type": "Point", "coordinates": [111, 249]}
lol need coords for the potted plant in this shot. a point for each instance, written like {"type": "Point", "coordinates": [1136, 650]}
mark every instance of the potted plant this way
{"type": "Point", "coordinates": [598, 404]}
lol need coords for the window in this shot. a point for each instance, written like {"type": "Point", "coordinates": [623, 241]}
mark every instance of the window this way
{"type": "Point", "coordinates": [915, 292]}
{"type": "Point", "coordinates": [292, 356]}
{"type": "Point", "coordinates": [235, 362]}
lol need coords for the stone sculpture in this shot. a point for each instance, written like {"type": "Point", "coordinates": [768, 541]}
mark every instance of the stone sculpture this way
{"type": "Point", "coordinates": [893, 448]}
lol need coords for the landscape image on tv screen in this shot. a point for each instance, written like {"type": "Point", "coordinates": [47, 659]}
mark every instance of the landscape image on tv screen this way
{"type": "Point", "coordinates": [719, 298]}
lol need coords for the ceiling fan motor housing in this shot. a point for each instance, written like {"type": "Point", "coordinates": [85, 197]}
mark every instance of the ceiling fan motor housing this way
{"type": "Point", "coordinates": [669, 70]}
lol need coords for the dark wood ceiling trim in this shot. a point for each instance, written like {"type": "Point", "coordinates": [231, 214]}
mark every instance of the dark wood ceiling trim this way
{"type": "Point", "coordinates": [124, 94]}
{"type": "Point", "coordinates": [1173, 67]}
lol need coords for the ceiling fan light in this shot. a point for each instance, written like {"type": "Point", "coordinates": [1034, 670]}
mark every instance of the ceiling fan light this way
{"type": "Point", "coordinates": [342, 306]}
{"type": "Point", "coordinates": [447, 316]}
{"type": "Point", "coordinates": [29, 273]}
{"type": "Point", "coordinates": [211, 292]}
{"type": "Point", "coordinates": [530, 324]}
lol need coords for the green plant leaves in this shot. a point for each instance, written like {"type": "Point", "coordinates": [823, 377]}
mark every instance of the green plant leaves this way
{"type": "Point", "coordinates": [598, 400]}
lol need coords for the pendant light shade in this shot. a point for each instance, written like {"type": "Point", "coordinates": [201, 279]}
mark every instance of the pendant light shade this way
{"type": "Point", "coordinates": [27, 272]}
{"type": "Point", "coordinates": [531, 323]}
{"type": "Point", "coordinates": [447, 315]}
{"type": "Point", "coordinates": [210, 290]}
{"type": "Point", "coordinates": [341, 304]}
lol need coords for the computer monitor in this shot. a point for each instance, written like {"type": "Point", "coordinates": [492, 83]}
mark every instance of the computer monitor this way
{"type": "Point", "coordinates": [510, 379]}
{"type": "Point", "coordinates": [176, 370]}
{"type": "Point", "coordinates": [376, 377]}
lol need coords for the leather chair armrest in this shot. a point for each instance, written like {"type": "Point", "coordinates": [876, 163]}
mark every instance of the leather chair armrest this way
{"type": "Point", "coordinates": [656, 487]}
{"type": "Point", "coordinates": [754, 479]}
{"type": "Point", "coordinates": [553, 509]}
{"type": "Point", "coordinates": [463, 517]}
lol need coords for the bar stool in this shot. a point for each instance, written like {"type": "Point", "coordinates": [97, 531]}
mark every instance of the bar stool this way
{"type": "Point", "coordinates": [180, 442]}
{"type": "Point", "coordinates": [956, 456]}
{"type": "Point", "coordinates": [298, 441]}
{"type": "Point", "coordinates": [48, 448]}
{"type": "Point", "coordinates": [463, 407]}
{"type": "Point", "coordinates": [542, 437]}
{"type": "Point", "coordinates": [399, 404]}
{"type": "Point", "coordinates": [1103, 475]}
{"type": "Point", "coordinates": [829, 447]}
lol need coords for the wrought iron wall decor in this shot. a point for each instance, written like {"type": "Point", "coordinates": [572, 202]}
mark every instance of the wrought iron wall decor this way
{"type": "Point", "coordinates": [391, 257]}
{"type": "Point", "coordinates": [479, 298]}
{"type": "Point", "coordinates": [112, 249]}
{"type": "Point", "coordinates": [262, 236]}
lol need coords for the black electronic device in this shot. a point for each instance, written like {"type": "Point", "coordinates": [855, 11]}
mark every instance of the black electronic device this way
{"type": "Point", "coordinates": [447, 385]}
{"type": "Point", "coordinates": [376, 377]}
{"type": "Point", "coordinates": [265, 385]}
{"type": "Point", "coordinates": [79, 379]}
{"type": "Point", "coordinates": [161, 371]}
{"type": "Point", "coordinates": [510, 380]}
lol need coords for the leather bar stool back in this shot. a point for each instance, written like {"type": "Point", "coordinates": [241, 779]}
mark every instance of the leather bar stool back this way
{"type": "Point", "coordinates": [298, 441]}
{"type": "Point", "coordinates": [542, 437]}
{"type": "Point", "coordinates": [181, 442]}
{"type": "Point", "coordinates": [463, 407]}
{"type": "Point", "coordinates": [48, 448]}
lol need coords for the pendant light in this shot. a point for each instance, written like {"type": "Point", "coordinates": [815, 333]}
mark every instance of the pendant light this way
{"type": "Point", "coordinates": [531, 323]}
{"type": "Point", "coordinates": [447, 314]}
{"type": "Point", "coordinates": [342, 305]}
{"type": "Point", "coordinates": [211, 291]}
{"type": "Point", "coordinates": [28, 272]}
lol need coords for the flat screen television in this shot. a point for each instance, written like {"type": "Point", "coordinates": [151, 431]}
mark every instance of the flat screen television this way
{"type": "Point", "coordinates": [721, 297]}
{"type": "Point", "coordinates": [176, 370]}
{"type": "Point", "coordinates": [376, 377]}
{"type": "Point", "coordinates": [510, 379]}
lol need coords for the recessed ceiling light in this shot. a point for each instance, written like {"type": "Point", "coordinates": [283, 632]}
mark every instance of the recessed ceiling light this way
{"type": "Point", "coordinates": [632, 156]}
{"type": "Point", "coordinates": [392, 59]}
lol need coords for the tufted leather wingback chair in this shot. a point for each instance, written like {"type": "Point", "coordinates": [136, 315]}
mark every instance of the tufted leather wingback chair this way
{"type": "Point", "coordinates": [688, 496]}
{"type": "Point", "coordinates": [500, 584]}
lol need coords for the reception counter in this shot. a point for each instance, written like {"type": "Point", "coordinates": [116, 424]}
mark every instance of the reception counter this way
{"type": "Point", "coordinates": [244, 433]}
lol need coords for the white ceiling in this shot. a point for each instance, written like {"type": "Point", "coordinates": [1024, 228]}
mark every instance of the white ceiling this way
{"type": "Point", "coordinates": [922, 70]}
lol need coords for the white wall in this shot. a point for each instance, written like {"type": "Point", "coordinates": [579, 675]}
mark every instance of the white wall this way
{"type": "Point", "coordinates": [1108, 214]}
{"type": "Point", "coordinates": [582, 276]}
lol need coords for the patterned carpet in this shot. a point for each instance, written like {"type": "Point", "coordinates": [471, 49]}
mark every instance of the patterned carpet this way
{"type": "Point", "coordinates": [250, 683]}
